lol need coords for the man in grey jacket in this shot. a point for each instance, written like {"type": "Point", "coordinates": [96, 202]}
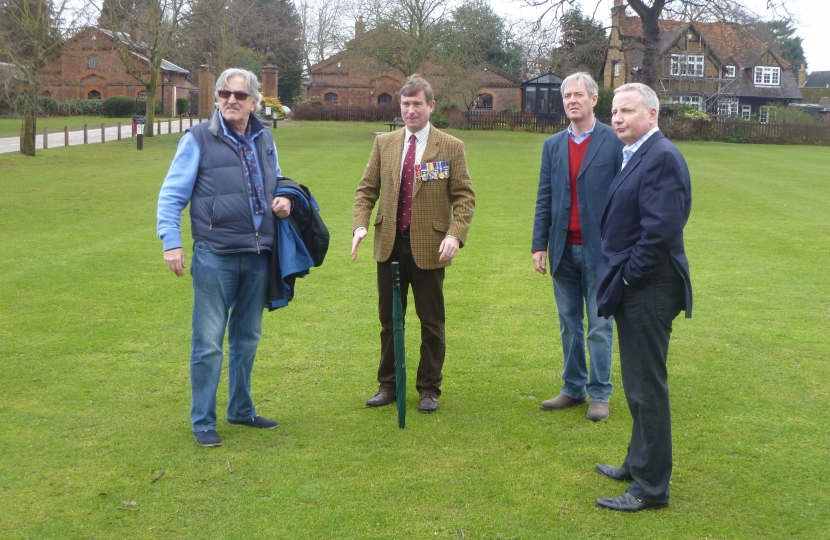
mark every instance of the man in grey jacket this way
{"type": "Point", "coordinates": [578, 165]}
{"type": "Point", "coordinates": [227, 170]}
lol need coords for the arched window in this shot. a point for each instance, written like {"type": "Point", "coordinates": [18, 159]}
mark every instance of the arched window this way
{"type": "Point", "coordinates": [384, 98]}
{"type": "Point", "coordinates": [95, 94]}
{"type": "Point", "coordinates": [331, 98]}
{"type": "Point", "coordinates": [93, 62]}
{"type": "Point", "coordinates": [484, 101]}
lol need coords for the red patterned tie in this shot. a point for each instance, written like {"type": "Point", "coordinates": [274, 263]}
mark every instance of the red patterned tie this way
{"type": "Point", "coordinates": [407, 187]}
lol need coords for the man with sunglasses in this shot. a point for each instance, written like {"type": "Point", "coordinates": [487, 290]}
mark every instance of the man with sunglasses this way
{"type": "Point", "coordinates": [227, 170]}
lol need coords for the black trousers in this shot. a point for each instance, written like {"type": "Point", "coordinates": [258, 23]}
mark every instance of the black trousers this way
{"type": "Point", "coordinates": [644, 325]}
{"type": "Point", "coordinates": [428, 290]}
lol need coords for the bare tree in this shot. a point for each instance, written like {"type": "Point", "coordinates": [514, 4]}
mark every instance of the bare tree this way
{"type": "Point", "coordinates": [324, 32]}
{"type": "Point", "coordinates": [32, 33]}
{"type": "Point", "coordinates": [408, 32]}
{"type": "Point", "coordinates": [650, 12]}
{"type": "Point", "coordinates": [148, 28]}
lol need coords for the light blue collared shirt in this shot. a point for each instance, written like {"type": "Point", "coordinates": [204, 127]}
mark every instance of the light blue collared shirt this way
{"type": "Point", "coordinates": [579, 139]}
{"type": "Point", "coordinates": [628, 151]}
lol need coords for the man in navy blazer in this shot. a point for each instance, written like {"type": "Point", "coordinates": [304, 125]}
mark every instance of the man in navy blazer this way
{"type": "Point", "coordinates": [644, 284]}
{"type": "Point", "coordinates": [578, 165]}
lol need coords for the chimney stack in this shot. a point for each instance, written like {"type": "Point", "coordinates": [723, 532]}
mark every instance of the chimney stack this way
{"type": "Point", "coordinates": [802, 75]}
{"type": "Point", "coordinates": [359, 27]}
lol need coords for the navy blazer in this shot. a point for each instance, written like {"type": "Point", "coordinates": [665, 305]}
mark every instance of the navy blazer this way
{"type": "Point", "coordinates": [647, 207]}
{"type": "Point", "coordinates": [603, 159]}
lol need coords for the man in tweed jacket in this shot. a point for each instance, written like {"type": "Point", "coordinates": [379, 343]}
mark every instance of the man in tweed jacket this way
{"type": "Point", "coordinates": [420, 176]}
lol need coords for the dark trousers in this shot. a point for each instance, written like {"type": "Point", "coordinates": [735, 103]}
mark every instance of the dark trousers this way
{"type": "Point", "coordinates": [644, 325]}
{"type": "Point", "coordinates": [428, 290]}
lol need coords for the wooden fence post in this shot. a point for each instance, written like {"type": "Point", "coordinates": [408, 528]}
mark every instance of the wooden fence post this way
{"type": "Point", "coordinates": [45, 138]}
{"type": "Point", "coordinates": [103, 133]}
{"type": "Point", "coordinates": [180, 124]}
{"type": "Point", "coordinates": [169, 126]}
{"type": "Point", "coordinates": [86, 135]}
{"type": "Point", "coordinates": [66, 135]}
{"type": "Point", "coordinates": [21, 139]}
{"type": "Point", "coordinates": [119, 131]}
{"type": "Point", "coordinates": [158, 125]}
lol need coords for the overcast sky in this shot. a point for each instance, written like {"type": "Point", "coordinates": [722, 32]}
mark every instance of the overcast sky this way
{"type": "Point", "coordinates": [812, 18]}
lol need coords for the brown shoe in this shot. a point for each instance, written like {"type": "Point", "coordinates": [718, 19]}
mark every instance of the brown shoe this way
{"type": "Point", "coordinates": [381, 398]}
{"type": "Point", "coordinates": [598, 410]}
{"type": "Point", "coordinates": [562, 401]}
{"type": "Point", "coordinates": [428, 404]}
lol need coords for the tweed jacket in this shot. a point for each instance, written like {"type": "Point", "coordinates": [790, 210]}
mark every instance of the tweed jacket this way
{"type": "Point", "coordinates": [439, 207]}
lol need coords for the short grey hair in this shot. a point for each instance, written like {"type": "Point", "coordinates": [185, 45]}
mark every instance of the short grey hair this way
{"type": "Point", "coordinates": [252, 85]}
{"type": "Point", "coordinates": [647, 96]}
{"type": "Point", "coordinates": [581, 77]}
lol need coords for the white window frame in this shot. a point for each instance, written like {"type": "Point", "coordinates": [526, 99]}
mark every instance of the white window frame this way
{"type": "Point", "coordinates": [687, 65]}
{"type": "Point", "coordinates": [746, 112]}
{"type": "Point", "coordinates": [728, 106]}
{"type": "Point", "coordinates": [767, 76]}
{"type": "Point", "coordinates": [766, 114]}
{"type": "Point", "coordinates": [688, 100]}
{"type": "Point", "coordinates": [729, 72]}
{"type": "Point", "coordinates": [616, 69]}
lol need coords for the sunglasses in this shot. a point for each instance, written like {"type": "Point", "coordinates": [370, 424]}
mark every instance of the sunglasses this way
{"type": "Point", "coordinates": [226, 94]}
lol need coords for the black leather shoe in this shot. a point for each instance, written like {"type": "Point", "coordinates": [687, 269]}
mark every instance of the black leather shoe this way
{"type": "Point", "coordinates": [614, 473]}
{"type": "Point", "coordinates": [381, 398]}
{"type": "Point", "coordinates": [208, 437]}
{"type": "Point", "coordinates": [255, 421]}
{"type": "Point", "coordinates": [629, 503]}
{"type": "Point", "coordinates": [428, 404]}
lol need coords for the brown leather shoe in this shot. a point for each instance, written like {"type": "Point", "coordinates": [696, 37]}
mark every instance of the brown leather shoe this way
{"type": "Point", "coordinates": [381, 398]}
{"type": "Point", "coordinates": [598, 410]}
{"type": "Point", "coordinates": [562, 401]}
{"type": "Point", "coordinates": [428, 404]}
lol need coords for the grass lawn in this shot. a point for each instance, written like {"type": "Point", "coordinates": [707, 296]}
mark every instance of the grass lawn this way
{"type": "Point", "coordinates": [94, 383]}
{"type": "Point", "coordinates": [10, 127]}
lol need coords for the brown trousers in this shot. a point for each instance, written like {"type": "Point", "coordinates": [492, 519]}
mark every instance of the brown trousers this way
{"type": "Point", "coordinates": [428, 290]}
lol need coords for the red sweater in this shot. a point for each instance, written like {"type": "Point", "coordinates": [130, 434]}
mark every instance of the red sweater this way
{"type": "Point", "coordinates": [576, 153]}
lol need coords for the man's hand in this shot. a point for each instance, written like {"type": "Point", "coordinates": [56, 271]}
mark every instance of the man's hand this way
{"type": "Point", "coordinates": [359, 234]}
{"type": "Point", "coordinates": [174, 258]}
{"type": "Point", "coordinates": [448, 248]}
{"type": "Point", "coordinates": [540, 261]}
{"type": "Point", "coordinates": [281, 206]}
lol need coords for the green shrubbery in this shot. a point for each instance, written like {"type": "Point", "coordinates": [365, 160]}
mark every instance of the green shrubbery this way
{"type": "Point", "coordinates": [182, 106]}
{"type": "Point", "coordinates": [118, 106]}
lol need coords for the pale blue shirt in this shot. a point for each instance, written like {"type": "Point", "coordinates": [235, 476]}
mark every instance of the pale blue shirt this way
{"type": "Point", "coordinates": [579, 139]}
{"type": "Point", "coordinates": [628, 151]}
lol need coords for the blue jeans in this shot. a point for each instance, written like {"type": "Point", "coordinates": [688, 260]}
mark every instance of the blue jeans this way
{"type": "Point", "coordinates": [235, 283]}
{"type": "Point", "coordinates": [575, 291]}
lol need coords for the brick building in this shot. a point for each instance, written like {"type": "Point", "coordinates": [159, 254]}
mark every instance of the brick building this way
{"type": "Point", "coordinates": [89, 66]}
{"type": "Point", "coordinates": [718, 67]}
{"type": "Point", "coordinates": [353, 78]}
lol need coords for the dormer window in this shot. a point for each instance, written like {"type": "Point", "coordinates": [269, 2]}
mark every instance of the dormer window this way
{"type": "Point", "coordinates": [729, 72]}
{"type": "Point", "coordinates": [687, 65]}
{"type": "Point", "coordinates": [767, 76]}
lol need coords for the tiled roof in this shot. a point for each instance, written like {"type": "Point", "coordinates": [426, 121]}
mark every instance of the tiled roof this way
{"type": "Point", "coordinates": [817, 79]}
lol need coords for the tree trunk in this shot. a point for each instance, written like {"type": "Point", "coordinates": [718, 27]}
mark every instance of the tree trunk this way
{"type": "Point", "coordinates": [651, 51]}
{"type": "Point", "coordinates": [29, 121]}
{"type": "Point", "coordinates": [150, 114]}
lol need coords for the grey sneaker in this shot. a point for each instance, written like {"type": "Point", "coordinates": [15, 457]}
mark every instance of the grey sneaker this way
{"type": "Point", "coordinates": [562, 401]}
{"type": "Point", "coordinates": [208, 437]}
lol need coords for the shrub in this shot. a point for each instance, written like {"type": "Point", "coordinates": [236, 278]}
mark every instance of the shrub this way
{"type": "Point", "coordinates": [81, 107]}
{"type": "Point", "coordinates": [182, 106]}
{"type": "Point", "coordinates": [438, 119]}
{"type": "Point", "coordinates": [790, 115]}
{"type": "Point", "coordinates": [692, 112]}
{"type": "Point", "coordinates": [118, 106]}
{"type": "Point", "coordinates": [46, 105]}
{"type": "Point", "coordinates": [275, 105]}
{"type": "Point", "coordinates": [603, 107]}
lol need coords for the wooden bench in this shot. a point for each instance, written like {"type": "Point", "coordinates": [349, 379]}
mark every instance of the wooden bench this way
{"type": "Point", "coordinates": [395, 124]}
